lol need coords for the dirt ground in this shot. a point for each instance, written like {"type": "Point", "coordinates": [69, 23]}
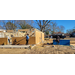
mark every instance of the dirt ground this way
{"type": "Point", "coordinates": [42, 49]}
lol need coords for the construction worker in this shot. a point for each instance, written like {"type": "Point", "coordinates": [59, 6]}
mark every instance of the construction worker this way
{"type": "Point", "coordinates": [9, 39]}
{"type": "Point", "coordinates": [51, 36]}
{"type": "Point", "coordinates": [27, 39]}
{"type": "Point", "coordinates": [58, 39]}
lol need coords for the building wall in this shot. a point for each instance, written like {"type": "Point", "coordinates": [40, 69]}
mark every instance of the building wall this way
{"type": "Point", "coordinates": [22, 40]}
{"type": "Point", "coordinates": [39, 37]}
{"type": "Point", "coordinates": [3, 41]}
{"type": "Point", "coordinates": [42, 36]}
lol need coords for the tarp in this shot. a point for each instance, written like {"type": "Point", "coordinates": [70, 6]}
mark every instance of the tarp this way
{"type": "Point", "coordinates": [62, 42]}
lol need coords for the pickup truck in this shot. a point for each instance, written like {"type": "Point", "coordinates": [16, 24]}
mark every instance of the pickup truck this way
{"type": "Point", "coordinates": [60, 35]}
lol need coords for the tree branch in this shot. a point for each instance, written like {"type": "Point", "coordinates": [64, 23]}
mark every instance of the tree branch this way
{"type": "Point", "coordinates": [37, 22]}
{"type": "Point", "coordinates": [47, 22]}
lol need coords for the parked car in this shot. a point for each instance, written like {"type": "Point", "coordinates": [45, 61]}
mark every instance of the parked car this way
{"type": "Point", "coordinates": [72, 35]}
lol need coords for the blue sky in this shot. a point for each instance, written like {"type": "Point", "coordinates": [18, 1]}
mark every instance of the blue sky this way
{"type": "Point", "coordinates": [68, 24]}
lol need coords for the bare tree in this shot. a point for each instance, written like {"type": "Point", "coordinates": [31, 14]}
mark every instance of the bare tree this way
{"type": "Point", "coordinates": [54, 27]}
{"type": "Point", "coordinates": [42, 24]}
{"type": "Point", "coordinates": [17, 23]}
{"type": "Point", "coordinates": [30, 22]}
{"type": "Point", "coordinates": [10, 26]}
{"type": "Point", "coordinates": [61, 28]}
{"type": "Point", "coordinates": [23, 24]}
{"type": "Point", "coordinates": [69, 31]}
{"type": "Point", "coordinates": [1, 27]}
{"type": "Point", "coordinates": [3, 23]}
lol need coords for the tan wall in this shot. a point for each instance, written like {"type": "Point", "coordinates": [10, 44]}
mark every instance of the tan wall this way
{"type": "Point", "coordinates": [22, 40]}
{"type": "Point", "coordinates": [43, 36]}
{"type": "Point", "coordinates": [39, 37]}
{"type": "Point", "coordinates": [3, 41]}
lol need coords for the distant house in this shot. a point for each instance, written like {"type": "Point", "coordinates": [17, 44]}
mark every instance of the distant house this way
{"type": "Point", "coordinates": [73, 32]}
{"type": "Point", "coordinates": [67, 34]}
{"type": "Point", "coordinates": [2, 30]}
{"type": "Point", "coordinates": [58, 33]}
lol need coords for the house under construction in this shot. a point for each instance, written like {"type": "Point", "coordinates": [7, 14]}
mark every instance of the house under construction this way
{"type": "Point", "coordinates": [19, 37]}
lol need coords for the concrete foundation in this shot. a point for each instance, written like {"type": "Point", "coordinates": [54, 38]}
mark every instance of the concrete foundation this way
{"type": "Point", "coordinates": [17, 46]}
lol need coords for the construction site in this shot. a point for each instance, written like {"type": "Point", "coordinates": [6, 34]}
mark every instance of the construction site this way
{"type": "Point", "coordinates": [37, 43]}
{"type": "Point", "coordinates": [13, 37]}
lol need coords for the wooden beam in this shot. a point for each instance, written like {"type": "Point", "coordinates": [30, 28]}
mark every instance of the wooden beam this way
{"type": "Point", "coordinates": [10, 31]}
{"type": "Point", "coordinates": [23, 30]}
